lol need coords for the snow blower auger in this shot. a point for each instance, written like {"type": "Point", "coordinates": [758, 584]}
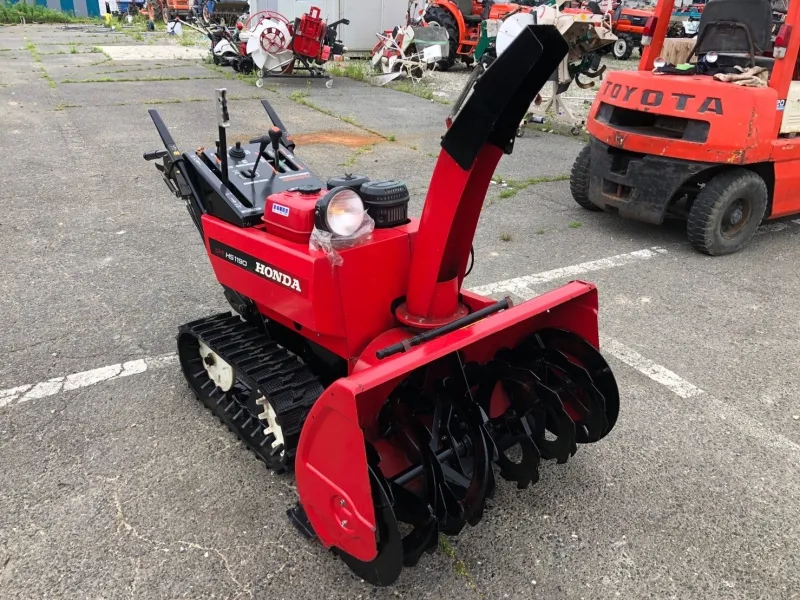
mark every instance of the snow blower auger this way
{"type": "Point", "coordinates": [355, 356]}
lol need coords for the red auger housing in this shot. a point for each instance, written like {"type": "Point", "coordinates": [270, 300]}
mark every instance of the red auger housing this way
{"type": "Point", "coordinates": [355, 355]}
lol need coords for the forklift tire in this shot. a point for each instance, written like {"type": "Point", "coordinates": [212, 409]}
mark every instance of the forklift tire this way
{"type": "Point", "coordinates": [623, 48]}
{"type": "Point", "coordinates": [443, 18]}
{"type": "Point", "coordinates": [579, 180]}
{"type": "Point", "coordinates": [727, 212]}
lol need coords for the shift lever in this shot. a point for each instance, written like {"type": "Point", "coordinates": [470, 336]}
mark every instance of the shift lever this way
{"type": "Point", "coordinates": [251, 174]}
{"type": "Point", "coordinates": [275, 135]}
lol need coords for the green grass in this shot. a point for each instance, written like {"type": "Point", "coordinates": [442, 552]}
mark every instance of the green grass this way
{"type": "Point", "coordinates": [575, 225]}
{"type": "Point", "coordinates": [357, 70]}
{"type": "Point", "coordinates": [459, 568]}
{"type": "Point", "coordinates": [129, 79]}
{"type": "Point", "coordinates": [73, 49]}
{"type": "Point", "coordinates": [186, 39]}
{"type": "Point", "coordinates": [31, 47]}
{"type": "Point", "coordinates": [514, 187]}
{"type": "Point", "coordinates": [13, 14]}
{"type": "Point", "coordinates": [63, 106]}
{"type": "Point", "coordinates": [49, 79]}
{"type": "Point", "coordinates": [351, 161]}
{"type": "Point", "coordinates": [506, 237]}
{"type": "Point", "coordinates": [391, 138]}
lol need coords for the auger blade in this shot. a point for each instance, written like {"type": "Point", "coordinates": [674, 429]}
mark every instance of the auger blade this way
{"type": "Point", "coordinates": [558, 423]}
{"type": "Point", "coordinates": [582, 353]}
{"type": "Point", "coordinates": [411, 509]}
{"type": "Point", "coordinates": [583, 399]}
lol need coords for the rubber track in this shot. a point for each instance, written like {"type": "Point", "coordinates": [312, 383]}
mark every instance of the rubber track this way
{"type": "Point", "coordinates": [269, 369]}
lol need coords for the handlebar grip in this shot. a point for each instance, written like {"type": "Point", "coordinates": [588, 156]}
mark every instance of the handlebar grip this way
{"type": "Point", "coordinates": [154, 155]}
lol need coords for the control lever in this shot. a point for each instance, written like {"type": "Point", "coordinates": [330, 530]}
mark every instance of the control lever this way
{"type": "Point", "coordinates": [275, 135]}
{"type": "Point", "coordinates": [251, 174]}
{"type": "Point", "coordinates": [155, 154]}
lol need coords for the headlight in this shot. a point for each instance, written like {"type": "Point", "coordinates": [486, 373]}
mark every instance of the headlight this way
{"type": "Point", "coordinates": [340, 211]}
{"type": "Point", "coordinates": [712, 57]}
{"type": "Point", "coordinates": [660, 63]}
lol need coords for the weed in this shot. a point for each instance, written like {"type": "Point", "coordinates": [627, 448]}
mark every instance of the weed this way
{"type": "Point", "coordinates": [62, 106]}
{"type": "Point", "coordinates": [351, 69]}
{"type": "Point", "coordinates": [459, 568]}
{"type": "Point", "coordinates": [73, 49]}
{"type": "Point", "coordinates": [138, 36]}
{"type": "Point", "coordinates": [506, 237]}
{"type": "Point", "coordinates": [351, 161]}
{"type": "Point", "coordinates": [540, 231]}
{"type": "Point", "coordinates": [575, 225]}
{"type": "Point", "coordinates": [515, 187]}
{"type": "Point", "coordinates": [129, 79]}
{"type": "Point", "coordinates": [391, 138]}
{"type": "Point", "coordinates": [186, 39]}
{"type": "Point", "coordinates": [31, 47]}
{"type": "Point", "coordinates": [13, 14]}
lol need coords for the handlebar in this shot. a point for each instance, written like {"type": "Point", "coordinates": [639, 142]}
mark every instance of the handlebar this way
{"type": "Point", "coordinates": [154, 155]}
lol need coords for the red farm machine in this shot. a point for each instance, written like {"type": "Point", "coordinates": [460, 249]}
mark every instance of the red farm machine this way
{"type": "Point", "coordinates": [462, 19]}
{"type": "Point", "coordinates": [356, 357]}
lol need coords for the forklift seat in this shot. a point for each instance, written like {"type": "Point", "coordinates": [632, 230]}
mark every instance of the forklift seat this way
{"type": "Point", "coordinates": [735, 27]}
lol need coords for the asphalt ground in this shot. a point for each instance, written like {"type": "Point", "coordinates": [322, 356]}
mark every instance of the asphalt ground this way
{"type": "Point", "coordinates": [118, 484]}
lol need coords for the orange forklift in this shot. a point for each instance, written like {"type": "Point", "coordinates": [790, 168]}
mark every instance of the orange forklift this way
{"type": "Point", "coordinates": [711, 139]}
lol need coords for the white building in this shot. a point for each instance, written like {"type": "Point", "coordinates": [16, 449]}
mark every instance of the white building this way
{"type": "Point", "coordinates": [367, 17]}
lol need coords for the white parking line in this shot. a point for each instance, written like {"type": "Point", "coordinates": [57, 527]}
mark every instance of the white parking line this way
{"type": "Point", "coordinates": [51, 387]}
{"type": "Point", "coordinates": [647, 367]}
{"type": "Point", "coordinates": [520, 285]}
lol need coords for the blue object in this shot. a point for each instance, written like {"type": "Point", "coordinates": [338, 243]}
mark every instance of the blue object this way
{"type": "Point", "coordinates": [68, 6]}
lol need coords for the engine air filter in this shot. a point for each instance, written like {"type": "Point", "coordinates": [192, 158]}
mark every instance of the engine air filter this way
{"type": "Point", "coordinates": [386, 202]}
{"type": "Point", "coordinates": [349, 180]}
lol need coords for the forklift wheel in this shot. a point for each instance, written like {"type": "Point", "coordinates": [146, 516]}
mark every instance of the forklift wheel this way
{"type": "Point", "coordinates": [579, 179]}
{"type": "Point", "coordinates": [727, 212]}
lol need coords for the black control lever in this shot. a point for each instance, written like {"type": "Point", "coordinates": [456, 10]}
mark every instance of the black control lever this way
{"type": "Point", "coordinates": [251, 174]}
{"type": "Point", "coordinates": [275, 136]}
{"type": "Point", "coordinates": [155, 154]}
{"type": "Point", "coordinates": [276, 120]}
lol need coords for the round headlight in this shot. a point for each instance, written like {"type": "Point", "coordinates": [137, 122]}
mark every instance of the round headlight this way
{"type": "Point", "coordinates": [712, 57]}
{"type": "Point", "coordinates": [340, 211]}
{"type": "Point", "coordinates": [660, 63]}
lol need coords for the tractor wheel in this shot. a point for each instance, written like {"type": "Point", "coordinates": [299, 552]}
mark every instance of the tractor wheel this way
{"type": "Point", "coordinates": [443, 18]}
{"type": "Point", "coordinates": [158, 11]}
{"type": "Point", "coordinates": [727, 212]}
{"type": "Point", "coordinates": [579, 180]}
{"type": "Point", "coordinates": [623, 48]}
{"type": "Point", "coordinates": [166, 16]}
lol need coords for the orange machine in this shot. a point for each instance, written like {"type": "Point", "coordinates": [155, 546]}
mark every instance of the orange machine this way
{"type": "Point", "coordinates": [462, 20]}
{"type": "Point", "coordinates": [686, 141]}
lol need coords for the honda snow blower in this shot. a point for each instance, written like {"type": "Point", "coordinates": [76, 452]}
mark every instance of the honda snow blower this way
{"type": "Point", "coordinates": [356, 358]}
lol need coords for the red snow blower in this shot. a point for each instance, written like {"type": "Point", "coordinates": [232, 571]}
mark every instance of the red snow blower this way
{"type": "Point", "coordinates": [356, 358]}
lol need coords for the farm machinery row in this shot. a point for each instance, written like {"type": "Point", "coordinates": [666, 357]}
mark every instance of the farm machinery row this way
{"type": "Point", "coordinates": [268, 44]}
{"type": "Point", "coordinates": [468, 31]}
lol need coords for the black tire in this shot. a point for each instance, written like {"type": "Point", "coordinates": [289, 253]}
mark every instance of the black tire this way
{"type": "Point", "coordinates": [579, 180]}
{"type": "Point", "coordinates": [727, 212]}
{"type": "Point", "coordinates": [441, 16]}
{"type": "Point", "coordinates": [623, 48]}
